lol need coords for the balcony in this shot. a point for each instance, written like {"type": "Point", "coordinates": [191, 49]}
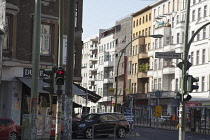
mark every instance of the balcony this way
{"type": "Point", "coordinates": [93, 68]}
{"type": "Point", "coordinates": [93, 57]}
{"type": "Point", "coordinates": [108, 80]}
{"type": "Point", "coordinates": [169, 47]}
{"type": "Point", "coordinates": [142, 75]}
{"type": "Point", "coordinates": [109, 64]}
{"type": "Point", "coordinates": [169, 69]}
{"type": "Point", "coordinates": [92, 78]}
{"type": "Point", "coordinates": [93, 47]}
{"type": "Point", "coordinates": [143, 55]}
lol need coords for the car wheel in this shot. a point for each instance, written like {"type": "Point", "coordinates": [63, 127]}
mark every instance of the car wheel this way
{"type": "Point", "coordinates": [121, 132]}
{"type": "Point", "coordinates": [13, 136]}
{"type": "Point", "coordinates": [88, 133]}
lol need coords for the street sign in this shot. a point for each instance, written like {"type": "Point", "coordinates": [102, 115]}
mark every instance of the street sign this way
{"type": "Point", "coordinates": [111, 91]}
{"type": "Point", "coordinates": [158, 94]}
{"type": "Point", "coordinates": [158, 110]}
{"type": "Point", "coordinates": [168, 55]}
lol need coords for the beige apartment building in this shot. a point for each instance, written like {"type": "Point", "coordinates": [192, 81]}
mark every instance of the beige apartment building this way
{"type": "Point", "coordinates": [138, 59]}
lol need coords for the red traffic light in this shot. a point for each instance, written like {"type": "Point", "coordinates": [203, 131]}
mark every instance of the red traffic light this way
{"type": "Point", "coordinates": [60, 72]}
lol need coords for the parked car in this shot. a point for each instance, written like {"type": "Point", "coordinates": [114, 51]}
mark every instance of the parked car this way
{"type": "Point", "coordinates": [9, 130]}
{"type": "Point", "coordinates": [102, 124]}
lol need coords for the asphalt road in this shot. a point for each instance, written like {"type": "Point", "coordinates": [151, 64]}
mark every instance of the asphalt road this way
{"type": "Point", "coordinates": [144, 133]}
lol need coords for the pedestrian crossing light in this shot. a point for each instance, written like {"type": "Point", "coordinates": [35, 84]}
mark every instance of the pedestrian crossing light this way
{"type": "Point", "coordinates": [191, 80]}
{"type": "Point", "coordinates": [60, 73]}
{"type": "Point", "coordinates": [49, 78]}
{"type": "Point", "coordinates": [158, 111]}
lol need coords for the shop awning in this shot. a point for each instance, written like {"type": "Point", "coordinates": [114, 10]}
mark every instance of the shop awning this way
{"type": "Point", "coordinates": [28, 82]}
{"type": "Point", "coordinates": [92, 96]}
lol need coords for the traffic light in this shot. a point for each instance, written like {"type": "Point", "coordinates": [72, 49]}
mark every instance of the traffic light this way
{"type": "Point", "coordinates": [187, 97]}
{"type": "Point", "coordinates": [49, 78]}
{"type": "Point", "coordinates": [190, 81]}
{"type": "Point", "coordinates": [158, 111]}
{"type": "Point", "coordinates": [60, 76]}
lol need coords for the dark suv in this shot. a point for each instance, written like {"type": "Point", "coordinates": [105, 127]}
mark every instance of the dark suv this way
{"type": "Point", "coordinates": [102, 124]}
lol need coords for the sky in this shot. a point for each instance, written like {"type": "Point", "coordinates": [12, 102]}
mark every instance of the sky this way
{"type": "Point", "coordinates": [102, 14]}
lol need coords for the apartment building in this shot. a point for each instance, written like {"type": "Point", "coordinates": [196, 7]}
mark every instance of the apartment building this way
{"type": "Point", "coordinates": [17, 49]}
{"type": "Point", "coordinates": [122, 39]}
{"type": "Point", "coordinates": [105, 71]}
{"type": "Point", "coordinates": [89, 72]}
{"type": "Point", "coordinates": [139, 59]}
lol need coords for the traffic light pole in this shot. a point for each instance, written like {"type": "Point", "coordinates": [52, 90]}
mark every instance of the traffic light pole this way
{"type": "Point", "coordinates": [60, 64]}
{"type": "Point", "coordinates": [186, 48]}
{"type": "Point", "coordinates": [184, 77]}
{"type": "Point", "coordinates": [69, 72]}
{"type": "Point", "coordinates": [35, 71]}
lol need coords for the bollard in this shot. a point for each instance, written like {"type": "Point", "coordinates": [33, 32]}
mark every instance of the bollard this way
{"type": "Point", "coordinates": [115, 128]}
{"type": "Point", "coordinates": [93, 132]}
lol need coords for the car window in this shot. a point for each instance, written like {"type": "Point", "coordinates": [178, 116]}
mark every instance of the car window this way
{"type": "Point", "coordinates": [90, 117]}
{"type": "Point", "coordinates": [5, 122]}
{"type": "Point", "coordinates": [120, 117]}
{"type": "Point", "coordinates": [103, 118]}
{"type": "Point", "coordinates": [112, 117]}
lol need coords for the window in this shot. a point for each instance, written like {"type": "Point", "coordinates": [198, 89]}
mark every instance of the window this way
{"type": "Point", "coordinates": [204, 32]}
{"type": "Point", "coordinates": [172, 39]}
{"type": "Point", "coordinates": [193, 15]}
{"type": "Point", "coordinates": [177, 84]}
{"type": "Point", "coordinates": [160, 43]}
{"type": "Point", "coordinates": [155, 84]}
{"type": "Point", "coordinates": [159, 83]}
{"type": "Point", "coordinates": [156, 43]}
{"type": "Point", "coordinates": [178, 36]}
{"type": "Point", "coordinates": [133, 24]}
{"type": "Point", "coordinates": [197, 57]}
{"type": "Point", "coordinates": [169, 7]}
{"type": "Point", "coordinates": [198, 36]}
{"type": "Point", "coordinates": [146, 32]}
{"type": "Point", "coordinates": [164, 9]}
{"type": "Point", "coordinates": [146, 18]}
{"type": "Point", "coordinates": [204, 56]}
{"type": "Point", "coordinates": [136, 49]}
{"type": "Point", "coordinates": [150, 16]}
{"type": "Point", "coordinates": [155, 64]}
{"type": "Point", "coordinates": [140, 21]}
{"type": "Point", "coordinates": [177, 19]}
{"type": "Point", "coordinates": [136, 68]}
{"type": "Point", "coordinates": [205, 11]}
{"type": "Point", "coordinates": [137, 22]}
{"type": "Point", "coordinates": [203, 84]}
{"type": "Point", "coordinates": [172, 22]}
{"type": "Point", "coordinates": [45, 40]}
{"type": "Point", "coordinates": [199, 13]}
{"type": "Point", "coordinates": [194, 1]}
{"type": "Point", "coordinates": [143, 20]}
{"type": "Point", "coordinates": [8, 31]}
{"type": "Point", "coordinates": [160, 63]}
{"type": "Point", "coordinates": [149, 31]}
{"type": "Point", "coordinates": [192, 57]}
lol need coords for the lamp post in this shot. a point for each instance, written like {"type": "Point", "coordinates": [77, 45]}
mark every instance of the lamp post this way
{"type": "Point", "coordinates": [123, 50]}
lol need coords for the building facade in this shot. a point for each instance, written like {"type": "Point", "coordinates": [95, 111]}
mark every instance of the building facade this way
{"type": "Point", "coordinates": [15, 87]}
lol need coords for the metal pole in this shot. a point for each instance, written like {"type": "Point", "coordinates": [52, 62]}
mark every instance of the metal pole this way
{"type": "Point", "coordinates": [86, 112]}
{"type": "Point", "coordinates": [157, 103]}
{"type": "Point", "coordinates": [69, 73]}
{"type": "Point", "coordinates": [184, 82]}
{"type": "Point", "coordinates": [60, 64]}
{"type": "Point", "coordinates": [35, 70]}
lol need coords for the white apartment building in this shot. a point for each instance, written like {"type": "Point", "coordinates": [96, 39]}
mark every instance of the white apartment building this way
{"type": "Point", "coordinates": [105, 71]}
{"type": "Point", "coordinates": [89, 72]}
{"type": "Point", "coordinates": [169, 20]}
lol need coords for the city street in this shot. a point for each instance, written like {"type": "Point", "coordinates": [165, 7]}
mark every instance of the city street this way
{"type": "Point", "coordinates": [144, 133]}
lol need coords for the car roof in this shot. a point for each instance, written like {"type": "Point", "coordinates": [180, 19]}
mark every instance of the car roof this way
{"type": "Point", "coordinates": [106, 113]}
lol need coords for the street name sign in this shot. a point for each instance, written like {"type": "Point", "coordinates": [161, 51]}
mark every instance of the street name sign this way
{"type": "Point", "coordinates": [168, 55]}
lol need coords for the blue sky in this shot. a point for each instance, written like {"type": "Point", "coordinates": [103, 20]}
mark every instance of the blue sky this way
{"type": "Point", "coordinates": [102, 14]}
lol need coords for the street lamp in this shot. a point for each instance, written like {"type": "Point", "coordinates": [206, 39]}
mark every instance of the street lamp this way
{"type": "Point", "coordinates": [122, 51]}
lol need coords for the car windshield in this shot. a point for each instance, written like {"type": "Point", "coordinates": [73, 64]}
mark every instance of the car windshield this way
{"type": "Point", "coordinates": [90, 117]}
